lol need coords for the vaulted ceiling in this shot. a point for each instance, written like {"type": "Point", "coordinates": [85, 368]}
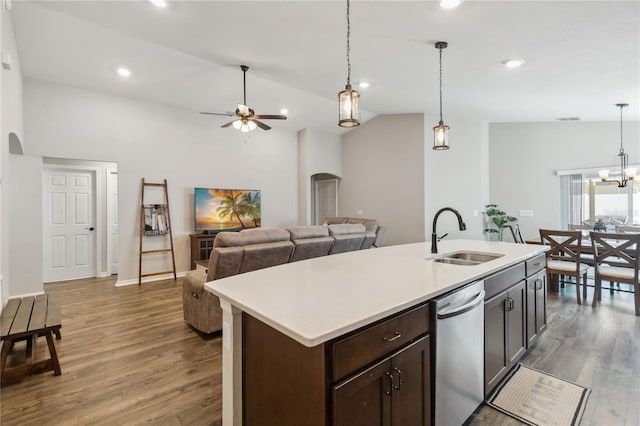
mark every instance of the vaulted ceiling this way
{"type": "Point", "coordinates": [582, 57]}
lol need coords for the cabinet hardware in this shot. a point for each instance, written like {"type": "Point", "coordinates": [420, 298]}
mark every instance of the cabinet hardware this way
{"type": "Point", "coordinates": [390, 391]}
{"type": "Point", "coordinates": [538, 284]}
{"type": "Point", "coordinates": [397, 370]}
{"type": "Point", "coordinates": [396, 336]}
{"type": "Point", "coordinates": [537, 264]}
{"type": "Point", "coordinates": [195, 295]}
{"type": "Point", "coordinates": [508, 304]}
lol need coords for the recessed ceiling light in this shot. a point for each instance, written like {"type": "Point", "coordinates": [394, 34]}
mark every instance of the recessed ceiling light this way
{"type": "Point", "coordinates": [159, 3]}
{"type": "Point", "coordinates": [284, 111]}
{"type": "Point", "coordinates": [124, 72]}
{"type": "Point", "coordinates": [513, 63]}
{"type": "Point", "coordinates": [364, 84]}
{"type": "Point", "coordinates": [450, 4]}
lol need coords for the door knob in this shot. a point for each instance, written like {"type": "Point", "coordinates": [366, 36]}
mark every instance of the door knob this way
{"type": "Point", "coordinates": [90, 229]}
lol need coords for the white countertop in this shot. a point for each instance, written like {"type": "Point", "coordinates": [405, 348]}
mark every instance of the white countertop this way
{"type": "Point", "coordinates": [313, 301]}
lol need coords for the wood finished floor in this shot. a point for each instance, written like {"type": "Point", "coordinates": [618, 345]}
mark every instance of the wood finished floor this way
{"type": "Point", "coordinates": [128, 358]}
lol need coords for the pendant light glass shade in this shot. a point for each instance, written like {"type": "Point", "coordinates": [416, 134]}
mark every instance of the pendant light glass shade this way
{"type": "Point", "coordinates": [348, 99]}
{"type": "Point", "coordinates": [349, 114]}
{"type": "Point", "coordinates": [441, 137]}
{"type": "Point", "coordinates": [441, 131]}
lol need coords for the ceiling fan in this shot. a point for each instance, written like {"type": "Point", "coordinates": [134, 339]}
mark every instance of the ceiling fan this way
{"type": "Point", "coordinates": [247, 119]}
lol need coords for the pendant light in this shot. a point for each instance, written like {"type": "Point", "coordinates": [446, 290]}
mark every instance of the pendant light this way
{"type": "Point", "coordinates": [626, 173]}
{"type": "Point", "coordinates": [441, 131]}
{"type": "Point", "coordinates": [348, 99]}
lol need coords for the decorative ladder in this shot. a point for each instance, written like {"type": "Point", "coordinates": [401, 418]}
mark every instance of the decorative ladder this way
{"type": "Point", "coordinates": [164, 227]}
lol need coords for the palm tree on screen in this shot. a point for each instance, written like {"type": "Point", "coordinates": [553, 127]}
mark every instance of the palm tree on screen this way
{"type": "Point", "coordinates": [251, 205]}
{"type": "Point", "coordinates": [230, 206]}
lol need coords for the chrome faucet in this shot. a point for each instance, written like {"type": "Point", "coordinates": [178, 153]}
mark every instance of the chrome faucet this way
{"type": "Point", "coordinates": [434, 235]}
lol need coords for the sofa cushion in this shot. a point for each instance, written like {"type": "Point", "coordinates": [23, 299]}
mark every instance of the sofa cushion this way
{"type": "Point", "coordinates": [313, 231]}
{"type": "Point", "coordinates": [346, 228]}
{"type": "Point", "coordinates": [251, 236]}
{"type": "Point", "coordinates": [334, 220]}
{"type": "Point", "coordinates": [224, 262]}
{"type": "Point", "coordinates": [308, 248]}
{"type": "Point", "coordinates": [258, 256]}
{"type": "Point", "coordinates": [371, 225]}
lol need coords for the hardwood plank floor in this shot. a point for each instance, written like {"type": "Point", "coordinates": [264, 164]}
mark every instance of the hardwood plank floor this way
{"type": "Point", "coordinates": [127, 357]}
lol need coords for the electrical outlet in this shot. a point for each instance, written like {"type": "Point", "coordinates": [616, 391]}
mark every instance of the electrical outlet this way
{"type": "Point", "coordinates": [527, 213]}
{"type": "Point", "coordinates": [359, 212]}
{"type": "Point", "coordinates": [475, 213]}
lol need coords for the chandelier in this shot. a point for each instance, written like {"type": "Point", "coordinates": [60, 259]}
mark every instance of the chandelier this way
{"type": "Point", "coordinates": [626, 173]}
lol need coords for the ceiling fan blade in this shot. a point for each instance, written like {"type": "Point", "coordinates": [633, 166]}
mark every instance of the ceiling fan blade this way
{"type": "Point", "coordinates": [226, 114]}
{"type": "Point", "coordinates": [228, 124]}
{"type": "Point", "coordinates": [271, 117]}
{"type": "Point", "coordinates": [261, 124]}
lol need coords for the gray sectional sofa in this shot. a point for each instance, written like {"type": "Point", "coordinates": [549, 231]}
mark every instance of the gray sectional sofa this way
{"type": "Point", "coordinates": [249, 250]}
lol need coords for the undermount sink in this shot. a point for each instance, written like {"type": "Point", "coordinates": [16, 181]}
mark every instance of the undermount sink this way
{"type": "Point", "coordinates": [468, 258]}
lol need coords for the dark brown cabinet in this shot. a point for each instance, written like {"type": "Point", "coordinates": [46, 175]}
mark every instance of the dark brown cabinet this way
{"type": "Point", "coordinates": [536, 292]}
{"type": "Point", "coordinates": [377, 375]}
{"type": "Point", "coordinates": [395, 391]}
{"type": "Point", "coordinates": [201, 247]}
{"type": "Point", "coordinates": [536, 306]}
{"type": "Point", "coordinates": [504, 333]}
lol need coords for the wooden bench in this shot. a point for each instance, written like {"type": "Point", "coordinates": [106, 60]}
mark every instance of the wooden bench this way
{"type": "Point", "coordinates": [26, 319]}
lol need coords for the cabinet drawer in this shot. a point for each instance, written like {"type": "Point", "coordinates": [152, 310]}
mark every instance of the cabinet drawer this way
{"type": "Point", "coordinates": [536, 264]}
{"type": "Point", "coordinates": [358, 350]}
{"type": "Point", "coordinates": [503, 280]}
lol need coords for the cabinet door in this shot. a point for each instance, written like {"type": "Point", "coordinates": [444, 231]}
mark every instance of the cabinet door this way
{"type": "Point", "coordinates": [541, 301]}
{"type": "Point", "coordinates": [516, 322]}
{"type": "Point", "coordinates": [496, 361]}
{"type": "Point", "coordinates": [536, 306]}
{"type": "Point", "coordinates": [364, 399]}
{"type": "Point", "coordinates": [411, 399]}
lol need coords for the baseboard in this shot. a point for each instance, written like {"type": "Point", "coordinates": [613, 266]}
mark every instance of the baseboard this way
{"type": "Point", "coordinates": [26, 295]}
{"type": "Point", "coordinates": [134, 281]}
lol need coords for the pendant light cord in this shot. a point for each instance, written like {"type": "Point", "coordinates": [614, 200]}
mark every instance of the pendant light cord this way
{"type": "Point", "coordinates": [440, 84]}
{"type": "Point", "coordinates": [348, 47]}
{"type": "Point", "coordinates": [621, 147]}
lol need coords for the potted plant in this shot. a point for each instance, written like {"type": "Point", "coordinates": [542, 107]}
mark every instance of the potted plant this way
{"type": "Point", "coordinates": [498, 220]}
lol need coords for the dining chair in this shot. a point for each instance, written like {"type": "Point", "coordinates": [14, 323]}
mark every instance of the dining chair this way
{"type": "Point", "coordinates": [627, 229]}
{"type": "Point", "coordinates": [616, 260]}
{"type": "Point", "coordinates": [515, 233]}
{"type": "Point", "coordinates": [563, 258]}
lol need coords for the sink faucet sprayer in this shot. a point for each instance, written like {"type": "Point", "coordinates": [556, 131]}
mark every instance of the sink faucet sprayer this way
{"type": "Point", "coordinates": [434, 235]}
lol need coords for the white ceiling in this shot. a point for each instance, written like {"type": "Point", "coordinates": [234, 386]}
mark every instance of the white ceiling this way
{"type": "Point", "coordinates": [582, 57]}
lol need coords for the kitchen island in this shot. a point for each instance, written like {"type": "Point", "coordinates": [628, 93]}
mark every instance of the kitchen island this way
{"type": "Point", "coordinates": [303, 308]}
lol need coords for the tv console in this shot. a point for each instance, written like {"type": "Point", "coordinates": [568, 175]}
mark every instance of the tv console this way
{"type": "Point", "coordinates": [202, 244]}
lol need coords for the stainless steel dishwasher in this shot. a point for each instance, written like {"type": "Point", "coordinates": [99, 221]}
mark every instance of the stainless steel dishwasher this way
{"type": "Point", "coordinates": [459, 354]}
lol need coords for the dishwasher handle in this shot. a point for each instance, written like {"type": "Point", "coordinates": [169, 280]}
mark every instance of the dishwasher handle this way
{"type": "Point", "coordinates": [462, 309]}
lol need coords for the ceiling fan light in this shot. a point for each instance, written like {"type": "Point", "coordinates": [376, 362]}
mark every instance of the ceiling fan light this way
{"type": "Point", "coordinates": [252, 125]}
{"type": "Point", "coordinates": [604, 175]}
{"type": "Point", "coordinates": [237, 124]}
{"type": "Point", "coordinates": [349, 104]}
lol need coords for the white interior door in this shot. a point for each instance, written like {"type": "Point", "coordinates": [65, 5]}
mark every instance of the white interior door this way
{"type": "Point", "coordinates": [326, 199]}
{"type": "Point", "coordinates": [112, 221]}
{"type": "Point", "coordinates": [69, 235]}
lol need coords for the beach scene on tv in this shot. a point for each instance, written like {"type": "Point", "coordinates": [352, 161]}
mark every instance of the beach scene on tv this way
{"type": "Point", "coordinates": [224, 209]}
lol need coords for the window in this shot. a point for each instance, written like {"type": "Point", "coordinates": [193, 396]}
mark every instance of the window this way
{"type": "Point", "coordinates": [586, 200]}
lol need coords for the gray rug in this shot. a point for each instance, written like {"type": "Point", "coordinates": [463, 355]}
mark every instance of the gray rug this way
{"type": "Point", "coordinates": [539, 399]}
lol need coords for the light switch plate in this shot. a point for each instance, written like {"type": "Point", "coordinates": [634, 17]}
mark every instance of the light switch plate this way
{"type": "Point", "coordinates": [524, 213]}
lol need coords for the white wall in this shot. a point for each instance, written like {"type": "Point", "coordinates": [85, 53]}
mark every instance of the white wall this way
{"type": "Point", "coordinates": [157, 142]}
{"type": "Point", "coordinates": [383, 165]}
{"type": "Point", "coordinates": [11, 117]}
{"type": "Point", "coordinates": [457, 177]}
{"type": "Point", "coordinates": [318, 152]}
{"type": "Point", "coordinates": [25, 233]}
{"type": "Point", "coordinates": [525, 156]}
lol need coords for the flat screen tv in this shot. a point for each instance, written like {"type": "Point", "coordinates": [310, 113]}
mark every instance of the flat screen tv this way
{"type": "Point", "coordinates": [226, 209]}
